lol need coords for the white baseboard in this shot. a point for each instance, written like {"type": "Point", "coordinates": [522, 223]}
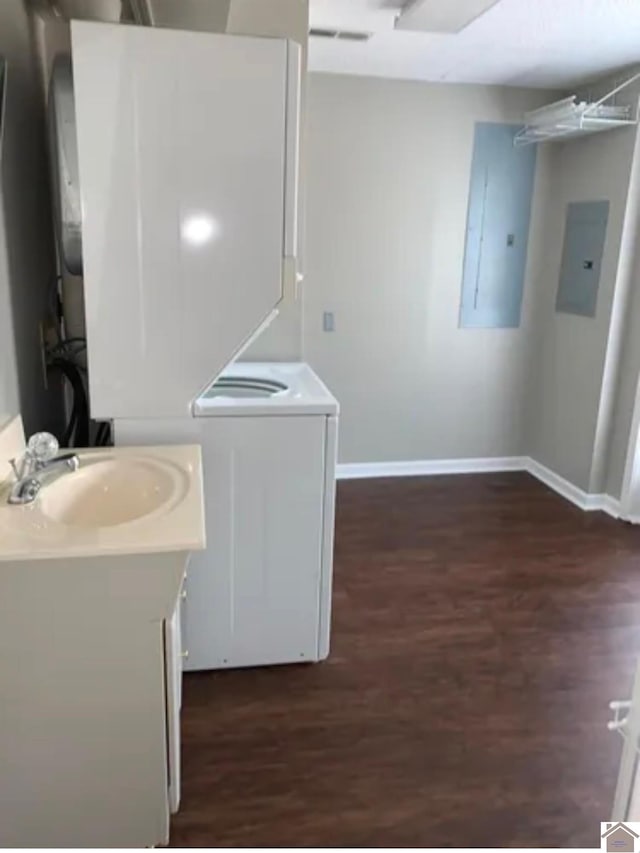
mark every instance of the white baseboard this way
{"type": "Point", "coordinates": [431, 467]}
{"type": "Point", "coordinates": [612, 507]}
{"type": "Point", "coordinates": [584, 500]}
{"type": "Point", "coordinates": [577, 496]}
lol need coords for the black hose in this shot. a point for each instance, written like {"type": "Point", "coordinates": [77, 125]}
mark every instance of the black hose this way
{"type": "Point", "coordinates": [77, 431]}
{"type": "Point", "coordinates": [103, 434]}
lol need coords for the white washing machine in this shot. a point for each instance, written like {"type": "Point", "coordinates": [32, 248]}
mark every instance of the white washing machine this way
{"type": "Point", "coordinates": [261, 592]}
{"type": "Point", "coordinates": [189, 250]}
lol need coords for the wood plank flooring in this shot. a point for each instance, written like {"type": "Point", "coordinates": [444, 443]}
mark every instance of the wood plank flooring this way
{"type": "Point", "coordinates": [481, 625]}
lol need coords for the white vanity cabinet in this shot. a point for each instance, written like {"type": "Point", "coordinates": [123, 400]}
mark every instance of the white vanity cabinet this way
{"type": "Point", "coordinates": [89, 701]}
{"type": "Point", "coordinates": [91, 573]}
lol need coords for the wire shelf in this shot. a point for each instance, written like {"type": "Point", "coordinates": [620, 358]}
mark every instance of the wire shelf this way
{"type": "Point", "coordinates": [571, 118]}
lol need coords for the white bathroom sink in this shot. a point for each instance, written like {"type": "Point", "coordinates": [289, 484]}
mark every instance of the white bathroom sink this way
{"type": "Point", "coordinates": [124, 500]}
{"type": "Point", "coordinates": [108, 490]}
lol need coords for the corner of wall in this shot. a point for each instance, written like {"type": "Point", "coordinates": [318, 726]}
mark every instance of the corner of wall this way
{"type": "Point", "coordinates": [537, 294]}
{"type": "Point", "coordinates": [574, 360]}
{"type": "Point", "coordinates": [620, 326]}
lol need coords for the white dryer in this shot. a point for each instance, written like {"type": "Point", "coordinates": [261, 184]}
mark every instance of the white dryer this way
{"type": "Point", "coordinates": [189, 248]}
{"type": "Point", "coordinates": [261, 591]}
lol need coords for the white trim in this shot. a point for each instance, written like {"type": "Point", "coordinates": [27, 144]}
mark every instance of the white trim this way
{"type": "Point", "coordinates": [563, 487]}
{"type": "Point", "coordinates": [583, 500]}
{"type": "Point", "coordinates": [328, 532]}
{"type": "Point", "coordinates": [431, 467]}
{"type": "Point", "coordinates": [612, 507]}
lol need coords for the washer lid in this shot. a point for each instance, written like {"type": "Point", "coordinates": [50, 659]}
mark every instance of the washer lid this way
{"type": "Point", "coordinates": [266, 388]}
{"type": "Point", "coordinates": [245, 387]}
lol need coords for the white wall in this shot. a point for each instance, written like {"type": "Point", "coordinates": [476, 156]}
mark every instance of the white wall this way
{"type": "Point", "coordinates": [388, 178]}
{"type": "Point", "coordinates": [574, 361]}
{"type": "Point", "coordinates": [26, 247]}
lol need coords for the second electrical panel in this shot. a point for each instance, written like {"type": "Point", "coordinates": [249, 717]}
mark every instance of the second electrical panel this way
{"type": "Point", "coordinates": [584, 239]}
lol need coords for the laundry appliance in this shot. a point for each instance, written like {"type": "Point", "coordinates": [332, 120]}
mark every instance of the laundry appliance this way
{"type": "Point", "coordinates": [261, 592]}
{"type": "Point", "coordinates": [177, 156]}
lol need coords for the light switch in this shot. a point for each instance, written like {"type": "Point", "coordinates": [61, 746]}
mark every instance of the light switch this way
{"type": "Point", "coordinates": [328, 322]}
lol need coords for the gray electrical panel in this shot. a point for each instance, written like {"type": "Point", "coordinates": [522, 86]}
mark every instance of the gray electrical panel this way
{"type": "Point", "coordinates": [498, 216]}
{"type": "Point", "coordinates": [584, 238]}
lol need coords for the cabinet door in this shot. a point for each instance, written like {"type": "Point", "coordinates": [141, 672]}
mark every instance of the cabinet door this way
{"type": "Point", "coordinates": [253, 595]}
{"type": "Point", "coordinates": [173, 674]}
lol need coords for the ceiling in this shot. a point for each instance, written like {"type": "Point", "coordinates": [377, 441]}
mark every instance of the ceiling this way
{"type": "Point", "coordinates": [536, 43]}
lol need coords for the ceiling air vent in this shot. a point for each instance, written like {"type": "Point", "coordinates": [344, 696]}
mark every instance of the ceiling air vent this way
{"type": "Point", "coordinates": [344, 35]}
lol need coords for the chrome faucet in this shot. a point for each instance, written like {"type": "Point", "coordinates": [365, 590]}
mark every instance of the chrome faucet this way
{"type": "Point", "coordinates": [39, 462]}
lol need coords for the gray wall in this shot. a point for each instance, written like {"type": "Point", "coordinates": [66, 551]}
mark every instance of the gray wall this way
{"type": "Point", "coordinates": [388, 179]}
{"type": "Point", "coordinates": [26, 246]}
{"type": "Point", "coordinates": [574, 361]}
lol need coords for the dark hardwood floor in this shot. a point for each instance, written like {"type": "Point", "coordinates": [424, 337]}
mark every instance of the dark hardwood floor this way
{"type": "Point", "coordinates": [481, 625]}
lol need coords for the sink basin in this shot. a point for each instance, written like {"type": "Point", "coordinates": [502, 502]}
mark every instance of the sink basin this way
{"type": "Point", "coordinates": [108, 491]}
{"type": "Point", "coordinates": [122, 501]}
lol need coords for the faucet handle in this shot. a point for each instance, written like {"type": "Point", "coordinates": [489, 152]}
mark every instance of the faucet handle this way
{"type": "Point", "coordinates": [42, 447]}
